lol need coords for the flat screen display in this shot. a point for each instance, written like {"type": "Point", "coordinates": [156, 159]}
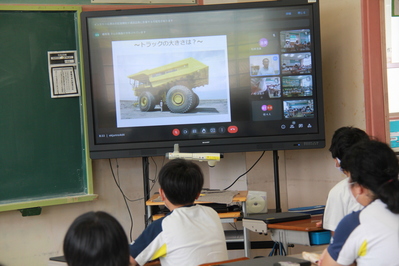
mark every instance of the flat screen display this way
{"type": "Point", "coordinates": [213, 78]}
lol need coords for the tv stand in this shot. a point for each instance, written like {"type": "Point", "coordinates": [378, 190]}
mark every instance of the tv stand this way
{"type": "Point", "coordinates": [276, 181]}
{"type": "Point", "coordinates": [146, 178]}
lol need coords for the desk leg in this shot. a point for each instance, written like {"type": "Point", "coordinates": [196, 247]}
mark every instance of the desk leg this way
{"type": "Point", "coordinates": [290, 237]}
{"type": "Point", "coordinates": [280, 237]}
{"type": "Point", "coordinates": [247, 243]}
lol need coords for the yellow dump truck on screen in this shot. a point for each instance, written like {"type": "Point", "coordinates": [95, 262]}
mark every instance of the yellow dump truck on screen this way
{"type": "Point", "coordinates": [170, 86]}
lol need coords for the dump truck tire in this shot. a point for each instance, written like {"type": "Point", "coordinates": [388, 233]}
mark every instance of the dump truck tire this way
{"type": "Point", "coordinates": [196, 100]}
{"type": "Point", "coordinates": [180, 99]}
{"type": "Point", "coordinates": [147, 101]}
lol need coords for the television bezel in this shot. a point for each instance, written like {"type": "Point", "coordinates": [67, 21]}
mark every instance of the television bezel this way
{"type": "Point", "coordinates": [218, 145]}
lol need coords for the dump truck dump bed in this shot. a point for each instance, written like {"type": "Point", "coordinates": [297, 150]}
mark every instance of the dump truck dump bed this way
{"type": "Point", "coordinates": [179, 70]}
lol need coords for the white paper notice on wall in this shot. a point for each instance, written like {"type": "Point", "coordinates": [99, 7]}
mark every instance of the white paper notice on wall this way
{"type": "Point", "coordinates": [63, 74]}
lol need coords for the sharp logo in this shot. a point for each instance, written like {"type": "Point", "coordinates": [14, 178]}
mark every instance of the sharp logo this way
{"type": "Point", "coordinates": [311, 143]}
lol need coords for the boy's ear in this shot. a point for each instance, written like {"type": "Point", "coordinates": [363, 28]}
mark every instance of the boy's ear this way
{"type": "Point", "coordinates": [199, 194]}
{"type": "Point", "coordinates": [162, 194]}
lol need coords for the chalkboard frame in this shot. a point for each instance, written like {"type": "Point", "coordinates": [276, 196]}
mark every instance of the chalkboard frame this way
{"type": "Point", "coordinates": [87, 193]}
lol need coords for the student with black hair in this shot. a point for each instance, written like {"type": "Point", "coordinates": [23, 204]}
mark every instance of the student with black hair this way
{"type": "Point", "coordinates": [190, 234]}
{"type": "Point", "coordinates": [340, 201]}
{"type": "Point", "coordinates": [96, 238]}
{"type": "Point", "coordinates": [370, 236]}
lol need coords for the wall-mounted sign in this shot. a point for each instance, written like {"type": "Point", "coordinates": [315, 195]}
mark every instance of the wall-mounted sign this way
{"type": "Point", "coordinates": [63, 74]}
{"type": "Point", "coordinates": [395, 7]}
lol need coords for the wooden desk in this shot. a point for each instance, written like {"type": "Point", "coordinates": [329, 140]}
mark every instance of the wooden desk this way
{"type": "Point", "coordinates": [223, 262]}
{"type": "Point", "coordinates": [231, 216]}
{"type": "Point", "coordinates": [294, 232]}
{"type": "Point", "coordinates": [153, 263]}
{"type": "Point", "coordinates": [226, 217]}
{"type": "Point", "coordinates": [240, 197]}
{"type": "Point", "coordinates": [60, 261]}
{"type": "Point", "coordinates": [308, 225]}
{"type": "Point", "coordinates": [267, 261]}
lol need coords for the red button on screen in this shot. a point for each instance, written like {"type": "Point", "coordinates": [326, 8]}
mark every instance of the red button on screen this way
{"type": "Point", "coordinates": [232, 129]}
{"type": "Point", "coordinates": [176, 132]}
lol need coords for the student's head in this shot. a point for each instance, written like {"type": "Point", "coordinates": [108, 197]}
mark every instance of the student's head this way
{"type": "Point", "coordinates": [96, 238]}
{"type": "Point", "coordinates": [374, 166]}
{"type": "Point", "coordinates": [343, 139]}
{"type": "Point", "coordinates": [181, 181]}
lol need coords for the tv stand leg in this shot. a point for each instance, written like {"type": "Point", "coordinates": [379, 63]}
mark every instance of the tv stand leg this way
{"type": "Point", "coordinates": [276, 181]}
{"type": "Point", "coordinates": [146, 184]}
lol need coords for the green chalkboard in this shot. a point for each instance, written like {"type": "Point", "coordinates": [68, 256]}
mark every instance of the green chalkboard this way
{"type": "Point", "coordinates": [43, 157]}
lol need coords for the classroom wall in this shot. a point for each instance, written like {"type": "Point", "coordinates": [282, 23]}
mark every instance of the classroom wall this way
{"type": "Point", "coordinates": [305, 175]}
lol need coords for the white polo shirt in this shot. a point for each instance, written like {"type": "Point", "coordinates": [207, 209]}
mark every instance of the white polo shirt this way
{"type": "Point", "coordinates": [188, 236]}
{"type": "Point", "coordinates": [369, 237]}
{"type": "Point", "coordinates": [340, 202]}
